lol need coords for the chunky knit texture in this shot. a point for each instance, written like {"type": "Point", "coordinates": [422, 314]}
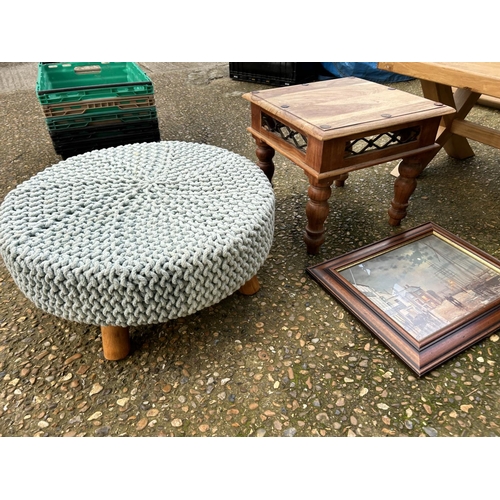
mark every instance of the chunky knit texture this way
{"type": "Point", "coordinates": [137, 234]}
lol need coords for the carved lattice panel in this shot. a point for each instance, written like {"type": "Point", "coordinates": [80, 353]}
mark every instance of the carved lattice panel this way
{"type": "Point", "coordinates": [356, 147]}
{"type": "Point", "coordinates": [381, 141]}
{"type": "Point", "coordinates": [287, 133]}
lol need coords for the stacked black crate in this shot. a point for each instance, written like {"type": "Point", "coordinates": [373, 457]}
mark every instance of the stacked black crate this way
{"type": "Point", "coordinates": [94, 105]}
{"type": "Point", "coordinates": [277, 74]}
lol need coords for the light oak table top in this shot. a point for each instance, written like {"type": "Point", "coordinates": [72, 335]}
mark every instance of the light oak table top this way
{"type": "Point", "coordinates": [480, 77]}
{"type": "Point", "coordinates": [459, 85]}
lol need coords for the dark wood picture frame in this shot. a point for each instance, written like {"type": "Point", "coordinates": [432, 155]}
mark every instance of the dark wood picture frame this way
{"type": "Point", "coordinates": [425, 293]}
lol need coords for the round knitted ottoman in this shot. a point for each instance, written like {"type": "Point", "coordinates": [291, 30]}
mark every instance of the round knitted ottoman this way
{"type": "Point", "coordinates": [138, 234]}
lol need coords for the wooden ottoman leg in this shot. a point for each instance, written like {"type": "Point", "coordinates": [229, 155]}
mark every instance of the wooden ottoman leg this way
{"type": "Point", "coordinates": [115, 342]}
{"type": "Point", "coordinates": [250, 287]}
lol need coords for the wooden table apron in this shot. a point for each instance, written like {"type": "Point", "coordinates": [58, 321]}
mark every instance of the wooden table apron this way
{"type": "Point", "coordinates": [471, 80]}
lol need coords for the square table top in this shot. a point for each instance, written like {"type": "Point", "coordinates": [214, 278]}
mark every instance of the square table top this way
{"type": "Point", "coordinates": [339, 107]}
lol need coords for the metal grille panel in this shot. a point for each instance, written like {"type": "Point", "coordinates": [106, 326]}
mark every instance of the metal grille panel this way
{"type": "Point", "coordinates": [287, 133]}
{"type": "Point", "coordinates": [353, 148]}
{"type": "Point", "coordinates": [381, 141]}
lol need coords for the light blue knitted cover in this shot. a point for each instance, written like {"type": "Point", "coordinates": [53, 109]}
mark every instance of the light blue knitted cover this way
{"type": "Point", "coordinates": [137, 234]}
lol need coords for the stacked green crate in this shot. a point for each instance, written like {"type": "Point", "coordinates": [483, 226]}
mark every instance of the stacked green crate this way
{"type": "Point", "coordinates": [92, 105]}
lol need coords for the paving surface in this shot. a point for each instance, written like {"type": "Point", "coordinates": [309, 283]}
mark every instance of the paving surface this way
{"type": "Point", "coordinates": [288, 361]}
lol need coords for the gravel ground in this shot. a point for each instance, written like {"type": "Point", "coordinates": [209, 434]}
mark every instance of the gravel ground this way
{"type": "Point", "coordinates": [288, 361]}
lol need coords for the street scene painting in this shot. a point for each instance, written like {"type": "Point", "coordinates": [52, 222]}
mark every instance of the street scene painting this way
{"type": "Point", "coordinates": [426, 285]}
{"type": "Point", "coordinates": [425, 293]}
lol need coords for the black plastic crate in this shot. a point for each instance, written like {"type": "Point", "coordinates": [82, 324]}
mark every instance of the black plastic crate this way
{"type": "Point", "coordinates": [62, 137]}
{"type": "Point", "coordinates": [274, 73]}
{"type": "Point", "coordinates": [78, 147]}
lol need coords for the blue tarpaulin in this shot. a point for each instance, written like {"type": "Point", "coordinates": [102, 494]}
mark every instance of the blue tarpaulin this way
{"type": "Point", "coordinates": [364, 70]}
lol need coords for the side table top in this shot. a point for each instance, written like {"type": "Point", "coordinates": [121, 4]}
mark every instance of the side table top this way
{"type": "Point", "coordinates": [326, 109]}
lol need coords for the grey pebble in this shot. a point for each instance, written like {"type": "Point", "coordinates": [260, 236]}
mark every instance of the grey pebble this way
{"type": "Point", "coordinates": [260, 432]}
{"type": "Point", "coordinates": [102, 431]}
{"type": "Point", "coordinates": [430, 431]}
{"type": "Point", "coordinates": [290, 432]}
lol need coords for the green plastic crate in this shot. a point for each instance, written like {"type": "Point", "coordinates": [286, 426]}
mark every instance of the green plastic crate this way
{"type": "Point", "coordinates": [98, 106]}
{"type": "Point", "coordinates": [118, 117]}
{"type": "Point", "coordinates": [64, 82]}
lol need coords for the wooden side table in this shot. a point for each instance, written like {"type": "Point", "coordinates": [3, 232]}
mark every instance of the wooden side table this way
{"type": "Point", "coordinates": [333, 127]}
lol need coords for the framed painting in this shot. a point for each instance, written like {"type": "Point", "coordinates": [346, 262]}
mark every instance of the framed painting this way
{"type": "Point", "coordinates": [425, 293]}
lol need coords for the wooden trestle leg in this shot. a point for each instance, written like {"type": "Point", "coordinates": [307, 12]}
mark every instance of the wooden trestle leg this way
{"type": "Point", "coordinates": [115, 342]}
{"type": "Point", "coordinates": [463, 100]}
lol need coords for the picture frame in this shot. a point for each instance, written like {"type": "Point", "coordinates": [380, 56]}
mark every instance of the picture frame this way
{"type": "Point", "coordinates": [425, 293]}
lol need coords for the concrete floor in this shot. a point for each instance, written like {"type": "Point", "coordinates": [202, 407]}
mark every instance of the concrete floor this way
{"type": "Point", "coordinates": [289, 361]}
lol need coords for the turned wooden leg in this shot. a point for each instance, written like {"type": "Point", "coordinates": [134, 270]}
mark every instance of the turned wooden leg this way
{"type": "Point", "coordinates": [250, 287]}
{"type": "Point", "coordinates": [317, 209]}
{"type": "Point", "coordinates": [404, 186]}
{"type": "Point", "coordinates": [265, 155]}
{"type": "Point", "coordinates": [340, 180]}
{"type": "Point", "coordinates": [115, 342]}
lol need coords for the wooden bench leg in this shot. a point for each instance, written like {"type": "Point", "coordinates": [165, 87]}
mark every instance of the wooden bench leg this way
{"type": "Point", "coordinates": [115, 342]}
{"type": "Point", "coordinates": [463, 101]}
{"type": "Point", "coordinates": [250, 287]}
